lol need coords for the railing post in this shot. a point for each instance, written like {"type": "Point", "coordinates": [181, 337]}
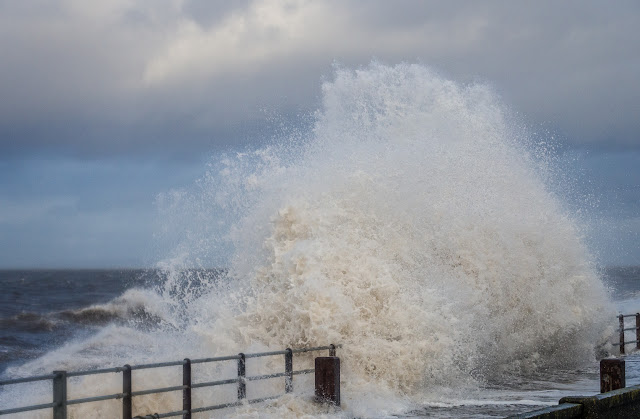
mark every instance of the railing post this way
{"type": "Point", "coordinates": [637, 330]}
{"type": "Point", "coordinates": [332, 350]}
{"type": "Point", "coordinates": [186, 392]}
{"type": "Point", "coordinates": [242, 384]}
{"type": "Point", "coordinates": [612, 375]}
{"type": "Point", "coordinates": [288, 370]}
{"type": "Point", "coordinates": [60, 395]}
{"type": "Point", "coordinates": [328, 380]}
{"type": "Point", "coordinates": [621, 318]}
{"type": "Point", "coordinates": [127, 406]}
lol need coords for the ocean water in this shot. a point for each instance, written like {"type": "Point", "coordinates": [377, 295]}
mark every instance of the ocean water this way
{"type": "Point", "coordinates": [417, 223]}
{"type": "Point", "coordinates": [42, 309]}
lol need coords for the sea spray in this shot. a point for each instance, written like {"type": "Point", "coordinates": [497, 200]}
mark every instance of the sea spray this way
{"type": "Point", "coordinates": [416, 230]}
{"type": "Point", "coordinates": [412, 225]}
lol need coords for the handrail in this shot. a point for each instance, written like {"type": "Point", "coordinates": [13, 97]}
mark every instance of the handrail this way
{"type": "Point", "coordinates": [220, 358]}
{"type": "Point", "coordinates": [91, 372]}
{"type": "Point", "coordinates": [157, 365]}
{"type": "Point", "coordinates": [622, 329]}
{"type": "Point", "coordinates": [59, 378]}
{"type": "Point", "coordinates": [28, 379]}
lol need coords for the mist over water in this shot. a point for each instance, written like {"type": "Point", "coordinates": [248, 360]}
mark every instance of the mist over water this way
{"type": "Point", "coordinates": [412, 225]}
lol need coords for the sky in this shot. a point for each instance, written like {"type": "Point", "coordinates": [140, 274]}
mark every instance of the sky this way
{"type": "Point", "coordinates": [106, 105]}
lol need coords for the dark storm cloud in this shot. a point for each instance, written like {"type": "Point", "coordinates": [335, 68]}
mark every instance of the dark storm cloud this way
{"type": "Point", "coordinates": [119, 77]}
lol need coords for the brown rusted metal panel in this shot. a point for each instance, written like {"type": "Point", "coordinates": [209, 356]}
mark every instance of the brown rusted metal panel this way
{"type": "Point", "coordinates": [328, 380]}
{"type": "Point", "coordinates": [612, 375]}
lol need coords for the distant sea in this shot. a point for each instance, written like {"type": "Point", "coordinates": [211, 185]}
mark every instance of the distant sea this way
{"type": "Point", "coordinates": [42, 309]}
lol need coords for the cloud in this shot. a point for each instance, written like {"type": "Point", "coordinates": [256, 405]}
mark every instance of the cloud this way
{"type": "Point", "coordinates": [241, 43]}
{"type": "Point", "coordinates": [140, 93]}
{"type": "Point", "coordinates": [191, 75]}
{"type": "Point", "coordinates": [278, 32]}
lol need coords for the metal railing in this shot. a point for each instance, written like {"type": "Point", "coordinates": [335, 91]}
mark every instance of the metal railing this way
{"type": "Point", "coordinates": [59, 379]}
{"type": "Point", "coordinates": [622, 330]}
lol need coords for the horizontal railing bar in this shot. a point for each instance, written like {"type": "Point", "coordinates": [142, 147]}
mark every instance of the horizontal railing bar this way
{"type": "Point", "coordinates": [91, 372]}
{"type": "Point", "coordinates": [157, 390]}
{"type": "Point", "coordinates": [266, 376]}
{"type": "Point", "coordinates": [257, 355]}
{"type": "Point", "coordinates": [232, 404]}
{"type": "Point", "coordinates": [28, 379]}
{"type": "Point", "coordinates": [628, 315]}
{"type": "Point", "coordinates": [96, 398]}
{"type": "Point", "coordinates": [261, 354]}
{"type": "Point", "coordinates": [215, 407]}
{"type": "Point", "coordinates": [318, 348]}
{"type": "Point", "coordinates": [625, 342]}
{"type": "Point", "coordinates": [27, 408]}
{"type": "Point", "coordinates": [220, 358]}
{"type": "Point", "coordinates": [215, 383]}
{"type": "Point", "coordinates": [170, 414]}
{"type": "Point", "coordinates": [158, 365]}
{"type": "Point", "coordinates": [304, 371]}
{"type": "Point", "coordinates": [262, 399]}
{"type": "Point", "coordinates": [628, 328]}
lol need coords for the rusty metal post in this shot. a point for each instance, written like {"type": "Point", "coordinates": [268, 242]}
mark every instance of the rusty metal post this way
{"type": "Point", "coordinates": [242, 384]}
{"type": "Point", "coordinates": [612, 375]}
{"type": "Point", "coordinates": [288, 370]}
{"type": "Point", "coordinates": [127, 406]}
{"type": "Point", "coordinates": [60, 395]}
{"type": "Point", "coordinates": [186, 391]}
{"type": "Point", "coordinates": [637, 330]}
{"type": "Point", "coordinates": [328, 380]}
{"type": "Point", "coordinates": [332, 350]}
{"type": "Point", "coordinates": [621, 318]}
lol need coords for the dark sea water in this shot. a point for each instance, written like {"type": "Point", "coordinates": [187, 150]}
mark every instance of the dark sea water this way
{"type": "Point", "coordinates": [624, 283]}
{"type": "Point", "coordinates": [43, 309]}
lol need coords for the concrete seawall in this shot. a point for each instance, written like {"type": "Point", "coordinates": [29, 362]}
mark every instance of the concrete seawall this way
{"type": "Point", "coordinates": [622, 403]}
